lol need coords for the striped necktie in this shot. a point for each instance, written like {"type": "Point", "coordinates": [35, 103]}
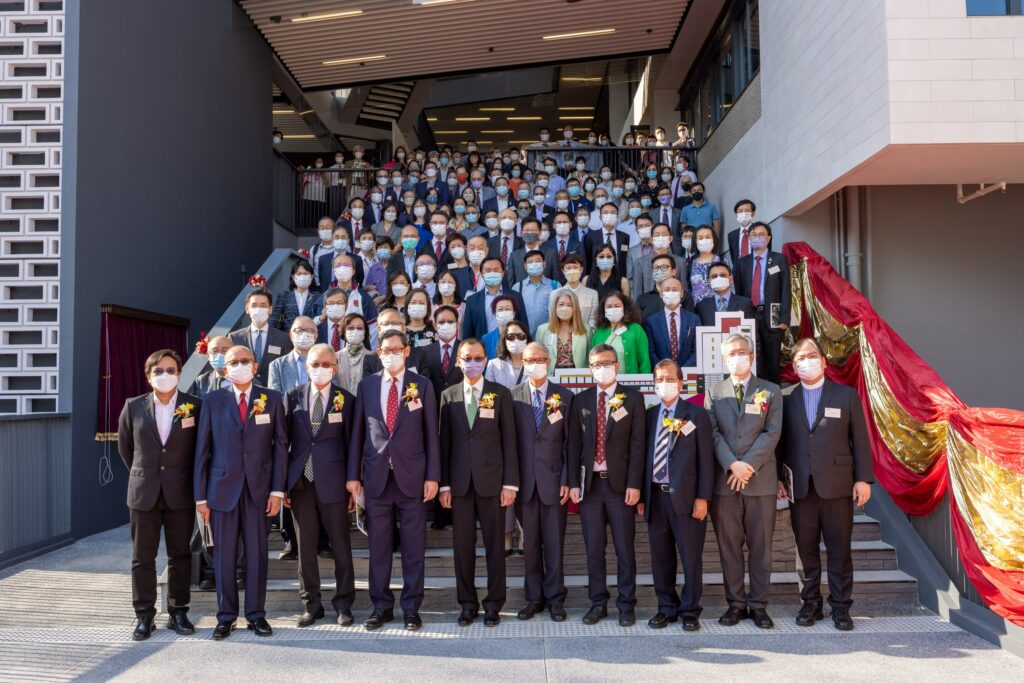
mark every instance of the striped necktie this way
{"type": "Point", "coordinates": [538, 409]}
{"type": "Point", "coordinates": [661, 452]}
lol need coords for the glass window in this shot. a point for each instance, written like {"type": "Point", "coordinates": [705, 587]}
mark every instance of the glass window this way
{"type": "Point", "coordinates": [993, 8]}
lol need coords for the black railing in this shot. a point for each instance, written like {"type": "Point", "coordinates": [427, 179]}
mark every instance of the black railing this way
{"type": "Point", "coordinates": [621, 160]}
{"type": "Point", "coordinates": [323, 192]}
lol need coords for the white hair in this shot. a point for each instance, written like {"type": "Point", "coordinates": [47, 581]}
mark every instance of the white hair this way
{"type": "Point", "coordinates": [735, 337]}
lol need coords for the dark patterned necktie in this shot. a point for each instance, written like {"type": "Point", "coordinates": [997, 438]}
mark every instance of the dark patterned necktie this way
{"type": "Point", "coordinates": [602, 421]}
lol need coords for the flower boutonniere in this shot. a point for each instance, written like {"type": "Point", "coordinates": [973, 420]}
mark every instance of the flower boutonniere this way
{"type": "Point", "coordinates": [257, 281]}
{"type": "Point", "coordinates": [412, 393]}
{"type": "Point", "coordinates": [183, 411]}
{"type": "Point", "coordinates": [202, 346]}
{"type": "Point", "coordinates": [761, 400]}
{"type": "Point", "coordinates": [339, 401]}
{"type": "Point", "coordinates": [304, 253]}
{"type": "Point", "coordinates": [554, 403]}
{"type": "Point", "coordinates": [617, 401]}
{"type": "Point", "coordinates": [487, 401]}
{"type": "Point", "coordinates": [259, 406]}
{"type": "Point", "coordinates": [674, 424]}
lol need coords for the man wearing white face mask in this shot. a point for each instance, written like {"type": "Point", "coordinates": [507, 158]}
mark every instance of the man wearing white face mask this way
{"type": "Point", "coordinates": [342, 241]}
{"type": "Point", "coordinates": [824, 461]}
{"type": "Point", "coordinates": [556, 183]}
{"type": "Point", "coordinates": [739, 239]}
{"type": "Point", "coordinates": [325, 231]}
{"type": "Point", "coordinates": [648, 278]}
{"type": "Point", "coordinates": [329, 331]}
{"type": "Point", "coordinates": [746, 416]}
{"type": "Point", "coordinates": [156, 439]}
{"type": "Point", "coordinates": [720, 280]}
{"type": "Point", "coordinates": [506, 242]}
{"type": "Point", "coordinates": [289, 371]}
{"type": "Point", "coordinates": [439, 358]}
{"type": "Point", "coordinates": [426, 271]}
{"type": "Point", "coordinates": [672, 332]}
{"type": "Point", "coordinates": [267, 343]}
{"type": "Point", "coordinates": [564, 241]}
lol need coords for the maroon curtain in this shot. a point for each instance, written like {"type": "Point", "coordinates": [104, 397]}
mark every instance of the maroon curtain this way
{"type": "Point", "coordinates": [125, 343]}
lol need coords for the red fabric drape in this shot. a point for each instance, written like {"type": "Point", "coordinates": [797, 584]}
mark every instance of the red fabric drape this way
{"type": "Point", "coordinates": [125, 343]}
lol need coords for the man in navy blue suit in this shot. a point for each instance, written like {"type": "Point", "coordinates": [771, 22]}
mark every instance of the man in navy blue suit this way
{"type": "Point", "coordinates": [395, 458]}
{"type": "Point", "coordinates": [432, 183]}
{"type": "Point", "coordinates": [565, 242]}
{"type": "Point", "coordinates": [679, 476]}
{"type": "Point", "coordinates": [320, 423]}
{"type": "Point", "coordinates": [241, 462]}
{"type": "Point", "coordinates": [541, 413]}
{"type": "Point", "coordinates": [672, 331]}
{"type": "Point", "coordinates": [479, 318]}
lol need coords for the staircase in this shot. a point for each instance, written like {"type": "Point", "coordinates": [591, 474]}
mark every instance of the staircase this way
{"type": "Point", "coordinates": [385, 103]}
{"type": "Point", "coordinates": [877, 580]}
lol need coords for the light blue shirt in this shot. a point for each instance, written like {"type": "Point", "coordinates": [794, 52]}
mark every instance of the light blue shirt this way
{"type": "Point", "coordinates": [759, 286]}
{"type": "Point", "coordinates": [698, 215]}
{"type": "Point", "coordinates": [536, 297]}
{"type": "Point", "coordinates": [556, 183]}
{"type": "Point", "coordinates": [812, 397]}
{"type": "Point", "coordinates": [492, 323]}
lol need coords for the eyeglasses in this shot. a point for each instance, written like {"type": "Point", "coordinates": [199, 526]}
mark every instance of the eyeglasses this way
{"type": "Point", "coordinates": [307, 330]}
{"type": "Point", "coordinates": [515, 336]}
{"type": "Point", "coordinates": [240, 361]}
{"type": "Point", "coordinates": [532, 361]}
{"type": "Point", "coordinates": [392, 352]}
{"type": "Point", "coordinates": [156, 372]}
{"type": "Point", "coordinates": [602, 365]}
{"type": "Point", "coordinates": [475, 359]}
{"type": "Point", "coordinates": [317, 366]}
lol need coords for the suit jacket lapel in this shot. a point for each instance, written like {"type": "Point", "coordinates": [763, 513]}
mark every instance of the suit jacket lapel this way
{"type": "Point", "coordinates": [801, 399]}
{"type": "Point", "coordinates": [229, 398]}
{"type": "Point", "coordinates": [304, 397]}
{"type": "Point", "coordinates": [151, 415]}
{"type": "Point", "coordinates": [826, 393]}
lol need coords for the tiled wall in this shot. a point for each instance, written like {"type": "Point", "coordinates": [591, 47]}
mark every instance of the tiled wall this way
{"type": "Point", "coordinates": [31, 109]}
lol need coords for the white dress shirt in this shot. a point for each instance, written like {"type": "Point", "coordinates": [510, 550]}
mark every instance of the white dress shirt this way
{"type": "Point", "coordinates": [385, 389]}
{"type": "Point", "coordinates": [300, 300]}
{"type": "Point", "coordinates": [609, 393]}
{"type": "Point", "coordinates": [164, 414]}
{"type": "Point", "coordinates": [745, 381]}
{"type": "Point", "coordinates": [325, 393]}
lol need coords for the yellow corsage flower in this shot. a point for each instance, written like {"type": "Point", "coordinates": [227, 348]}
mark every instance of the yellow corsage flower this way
{"type": "Point", "coordinates": [673, 424]}
{"type": "Point", "coordinates": [412, 393]}
{"type": "Point", "coordinates": [553, 403]}
{"type": "Point", "coordinates": [339, 401]}
{"type": "Point", "coordinates": [259, 406]}
{"type": "Point", "coordinates": [617, 401]}
{"type": "Point", "coordinates": [183, 411]}
{"type": "Point", "coordinates": [487, 401]}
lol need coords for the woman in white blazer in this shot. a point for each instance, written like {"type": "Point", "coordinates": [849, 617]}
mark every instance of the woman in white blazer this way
{"type": "Point", "coordinates": [564, 335]}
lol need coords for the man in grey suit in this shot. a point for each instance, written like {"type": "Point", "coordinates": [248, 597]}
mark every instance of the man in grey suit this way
{"type": "Point", "coordinates": [746, 417]}
{"type": "Point", "coordinates": [824, 461]}
{"type": "Point", "coordinates": [266, 343]}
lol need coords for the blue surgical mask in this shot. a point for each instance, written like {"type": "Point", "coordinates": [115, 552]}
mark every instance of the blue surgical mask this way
{"type": "Point", "coordinates": [574, 191]}
{"type": "Point", "coordinates": [758, 243]}
{"type": "Point", "coordinates": [523, 193]}
{"type": "Point", "coordinates": [459, 209]}
{"type": "Point", "coordinates": [634, 212]}
{"type": "Point", "coordinates": [605, 263]}
{"type": "Point", "coordinates": [341, 245]}
{"type": "Point", "coordinates": [652, 174]}
{"type": "Point", "coordinates": [472, 217]}
{"type": "Point", "coordinates": [217, 361]}
{"type": "Point", "coordinates": [645, 201]}
{"type": "Point", "coordinates": [410, 243]}
{"type": "Point", "coordinates": [501, 190]}
{"type": "Point", "coordinates": [534, 269]}
{"type": "Point", "coordinates": [492, 279]}
{"type": "Point", "coordinates": [384, 253]}
{"type": "Point", "coordinates": [617, 191]}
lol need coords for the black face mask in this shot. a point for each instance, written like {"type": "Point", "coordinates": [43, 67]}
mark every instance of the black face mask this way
{"type": "Point", "coordinates": [697, 196]}
{"type": "Point", "coordinates": [687, 187]}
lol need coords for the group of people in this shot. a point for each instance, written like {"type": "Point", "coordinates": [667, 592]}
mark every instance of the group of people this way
{"type": "Point", "coordinates": [410, 371]}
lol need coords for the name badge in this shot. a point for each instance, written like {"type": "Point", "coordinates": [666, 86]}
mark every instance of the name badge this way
{"type": "Point", "coordinates": [752, 409]}
{"type": "Point", "coordinates": [487, 413]}
{"type": "Point", "coordinates": [619, 414]}
{"type": "Point", "coordinates": [621, 331]}
{"type": "Point", "coordinates": [773, 270]}
{"type": "Point", "coordinates": [452, 266]}
{"type": "Point", "coordinates": [274, 349]}
{"type": "Point", "coordinates": [554, 417]}
{"type": "Point", "coordinates": [188, 422]}
{"type": "Point", "coordinates": [414, 405]}
{"type": "Point", "coordinates": [263, 419]}
{"type": "Point", "coordinates": [833, 412]}
{"type": "Point", "coordinates": [688, 428]}
{"type": "Point", "coordinates": [624, 247]}
{"type": "Point", "coordinates": [334, 417]}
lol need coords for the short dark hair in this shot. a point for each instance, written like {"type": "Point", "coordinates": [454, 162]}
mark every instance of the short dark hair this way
{"type": "Point", "coordinates": [717, 248]}
{"type": "Point", "coordinates": [390, 334]}
{"type": "Point", "coordinates": [753, 207]}
{"type": "Point", "coordinates": [366, 327]}
{"type": "Point", "coordinates": [531, 253]}
{"type": "Point", "coordinates": [666, 363]}
{"type": "Point", "coordinates": [469, 341]}
{"type": "Point", "coordinates": [572, 259]}
{"type": "Point", "coordinates": [504, 297]}
{"type": "Point", "coordinates": [664, 257]}
{"type": "Point", "coordinates": [158, 356]}
{"type": "Point", "coordinates": [334, 290]}
{"type": "Point", "coordinates": [760, 224]}
{"type": "Point", "coordinates": [720, 264]}
{"type": "Point", "coordinates": [262, 291]}
{"type": "Point", "coordinates": [602, 348]}
{"type": "Point", "coordinates": [492, 258]}
{"type": "Point", "coordinates": [450, 309]}
{"type": "Point", "coordinates": [530, 221]}
{"type": "Point", "coordinates": [630, 313]}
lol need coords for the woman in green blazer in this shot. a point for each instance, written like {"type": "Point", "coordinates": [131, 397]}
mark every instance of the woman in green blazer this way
{"type": "Point", "coordinates": [564, 335]}
{"type": "Point", "coordinates": [619, 325]}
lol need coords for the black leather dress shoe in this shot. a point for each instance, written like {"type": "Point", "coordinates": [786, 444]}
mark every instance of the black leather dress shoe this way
{"type": "Point", "coordinates": [627, 618]}
{"type": "Point", "coordinates": [207, 584]}
{"type": "Point", "coordinates": [143, 629]}
{"type": "Point", "coordinates": [378, 618]}
{"type": "Point", "coordinates": [661, 620]}
{"type": "Point", "coordinates": [529, 611]}
{"type": "Point", "coordinates": [691, 624]}
{"type": "Point", "coordinates": [412, 620]}
{"type": "Point", "coordinates": [594, 615]}
{"type": "Point", "coordinates": [841, 620]}
{"type": "Point", "coordinates": [466, 616]}
{"type": "Point", "coordinates": [761, 619]}
{"type": "Point", "coordinates": [491, 619]}
{"type": "Point", "coordinates": [180, 624]}
{"type": "Point", "coordinates": [326, 553]}
{"type": "Point", "coordinates": [223, 630]}
{"type": "Point", "coordinates": [345, 618]}
{"type": "Point", "coordinates": [260, 627]}
{"type": "Point", "coordinates": [733, 615]}
{"type": "Point", "coordinates": [808, 614]}
{"type": "Point", "coordinates": [309, 618]}
{"type": "Point", "coordinates": [288, 553]}
{"type": "Point", "coordinates": [557, 613]}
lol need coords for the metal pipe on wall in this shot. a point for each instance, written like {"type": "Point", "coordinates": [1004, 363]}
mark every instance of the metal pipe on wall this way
{"type": "Point", "coordinates": [853, 237]}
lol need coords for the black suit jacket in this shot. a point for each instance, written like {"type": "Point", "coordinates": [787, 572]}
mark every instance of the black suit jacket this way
{"type": "Point", "coordinates": [706, 308]}
{"type": "Point", "coordinates": [329, 446]}
{"type": "Point", "coordinates": [573, 245]}
{"type": "Point", "coordinates": [325, 269]}
{"type": "Point", "coordinates": [276, 339]}
{"type": "Point", "coordinates": [494, 246]}
{"type": "Point", "coordinates": [430, 357]}
{"type": "Point", "coordinates": [474, 322]}
{"type": "Point", "coordinates": [776, 284]}
{"type": "Point", "coordinates": [691, 458]}
{"type": "Point", "coordinates": [482, 458]}
{"type": "Point", "coordinates": [156, 468]}
{"type": "Point", "coordinates": [624, 441]}
{"type": "Point", "coordinates": [595, 240]}
{"type": "Point", "coordinates": [543, 453]}
{"type": "Point", "coordinates": [836, 453]}
{"type": "Point", "coordinates": [372, 364]}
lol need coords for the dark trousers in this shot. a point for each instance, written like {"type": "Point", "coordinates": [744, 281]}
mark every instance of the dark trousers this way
{"type": "Point", "coordinates": [247, 521]}
{"type": "Point", "coordinates": [310, 515]}
{"type": "Point", "coordinates": [769, 347]}
{"type": "Point", "coordinates": [603, 508]}
{"type": "Point", "coordinates": [667, 533]}
{"type": "Point", "coordinates": [466, 510]}
{"type": "Point", "coordinates": [543, 543]}
{"type": "Point", "coordinates": [411, 513]}
{"type": "Point", "coordinates": [145, 528]}
{"type": "Point", "coordinates": [815, 519]}
{"type": "Point", "coordinates": [740, 519]}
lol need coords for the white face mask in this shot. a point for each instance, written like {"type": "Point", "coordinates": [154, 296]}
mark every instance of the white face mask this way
{"type": "Point", "coordinates": [399, 290]}
{"type": "Point", "coordinates": [393, 362]}
{"type": "Point", "coordinates": [336, 311]}
{"type": "Point", "coordinates": [397, 327]}
{"type": "Point", "coordinates": [491, 222]}
{"type": "Point", "coordinates": [164, 383]}
{"type": "Point", "coordinates": [303, 281]}
{"type": "Point", "coordinates": [417, 311]}
{"type": "Point", "coordinates": [613, 315]}
{"type": "Point", "coordinates": [304, 341]}
{"type": "Point", "coordinates": [390, 216]}
{"type": "Point", "coordinates": [808, 369]}
{"type": "Point", "coordinates": [515, 346]}
{"type": "Point", "coordinates": [457, 253]}
{"type": "Point", "coordinates": [425, 272]}
{"type": "Point", "coordinates": [446, 331]}
{"type": "Point", "coordinates": [476, 257]}
{"type": "Point", "coordinates": [536, 371]}
{"type": "Point", "coordinates": [609, 218]}
{"type": "Point", "coordinates": [604, 376]}
{"type": "Point", "coordinates": [357, 212]}
{"type": "Point", "coordinates": [507, 224]}
{"type": "Point", "coordinates": [376, 197]}
{"type": "Point", "coordinates": [354, 336]}
{"type": "Point", "coordinates": [259, 315]}
{"type": "Point", "coordinates": [719, 284]}
{"type": "Point", "coordinates": [661, 241]}
{"type": "Point", "coordinates": [438, 229]}
{"type": "Point", "coordinates": [366, 245]}
{"type": "Point", "coordinates": [343, 273]}
{"type": "Point", "coordinates": [504, 317]}
{"type": "Point", "coordinates": [240, 374]}
{"type": "Point", "coordinates": [643, 233]}
{"type": "Point", "coordinates": [325, 234]}
{"type": "Point", "coordinates": [564, 312]}
{"type": "Point", "coordinates": [419, 211]}
{"type": "Point", "coordinates": [744, 218]}
{"type": "Point", "coordinates": [321, 376]}
{"type": "Point", "coordinates": [667, 391]}
{"type": "Point", "coordinates": [705, 246]}
{"type": "Point", "coordinates": [738, 365]}
{"type": "Point", "coordinates": [446, 288]}
{"type": "Point", "coordinates": [671, 298]}
{"type": "Point", "coordinates": [562, 229]}
{"type": "Point", "coordinates": [600, 201]}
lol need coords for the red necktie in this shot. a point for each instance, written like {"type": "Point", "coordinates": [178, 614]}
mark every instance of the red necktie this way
{"type": "Point", "coordinates": [504, 251]}
{"type": "Point", "coordinates": [673, 336]}
{"type": "Point", "coordinates": [392, 405]}
{"type": "Point", "coordinates": [336, 337]}
{"type": "Point", "coordinates": [446, 360]}
{"type": "Point", "coordinates": [744, 243]}
{"type": "Point", "coordinates": [437, 251]}
{"type": "Point", "coordinates": [602, 421]}
{"type": "Point", "coordinates": [243, 408]}
{"type": "Point", "coordinates": [755, 288]}
{"type": "Point", "coordinates": [561, 249]}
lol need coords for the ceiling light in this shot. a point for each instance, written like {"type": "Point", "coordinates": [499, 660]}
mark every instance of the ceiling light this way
{"type": "Point", "coordinates": [522, 118]}
{"type": "Point", "coordinates": [329, 15]}
{"type": "Point", "coordinates": [575, 118]}
{"type": "Point", "coordinates": [431, 118]}
{"type": "Point", "coordinates": [574, 108]}
{"type": "Point", "coordinates": [583, 79]}
{"type": "Point", "coordinates": [579, 34]}
{"type": "Point", "coordinates": [284, 111]}
{"type": "Point", "coordinates": [499, 132]}
{"type": "Point", "coordinates": [303, 113]}
{"type": "Point", "coordinates": [497, 108]}
{"type": "Point", "coordinates": [479, 142]}
{"type": "Point", "coordinates": [431, 3]}
{"type": "Point", "coordinates": [354, 60]}
{"type": "Point", "coordinates": [522, 142]}
{"type": "Point", "coordinates": [472, 118]}
{"type": "Point", "coordinates": [450, 132]}
{"type": "Point", "coordinates": [303, 136]}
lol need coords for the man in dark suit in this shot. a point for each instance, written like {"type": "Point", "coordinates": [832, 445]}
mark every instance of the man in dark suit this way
{"type": "Point", "coordinates": [479, 477]}
{"type": "Point", "coordinates": [679, 475]}
{"type": "Point", "coordinates": [505, 242]}
{"type": "Point", "coordinates": [565, 241]}
{"type": "Point", "coordinates": [542, 210]}
{"type": "Point", "coordinates": [440, 363]}
{"type": "Point", "coordinates": [395, 459]}
{"type": "Point", "coordinates": [320, 423]}
{"type": "Point", "coordinates": [608, 234]}
{"type": "Point", "coordinates": [212, 379]}
{"type": "Point", "coordinates": [746, 416]}
{"type": "Point", "coordinates": [672, 332]}
{"type": "Point", "coordinates": [720, 280]}
{"type": "Point", "coordinates": [328, 265]}
{"type": "Point", "coordinates": [542, 430]}
{"type": "Point", "coordinates": [516, 268]}
{"type": "Point", "coordinates": [825, 456]}
{"type": "Point", "coordinates": [432, 183]}
{"type": "Point", "coordinates": [266, 343]}
{"type": "Point", "coordinates": [241, 463]}
{"type": "Point", "coordinates": [739, 239]}
{"type": "Point", "coordinates": [156, 439]}
{"type": "Point", "coordinates": [606, 467]}
{"type": "Point", "coordinates": [763, 277]}
{"type": "Point", "coordinates": [392, 319]}
{"type": "Point", "coordinates": [479, 318]}
{"type": "Point", "coordinates": [665, 266]}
